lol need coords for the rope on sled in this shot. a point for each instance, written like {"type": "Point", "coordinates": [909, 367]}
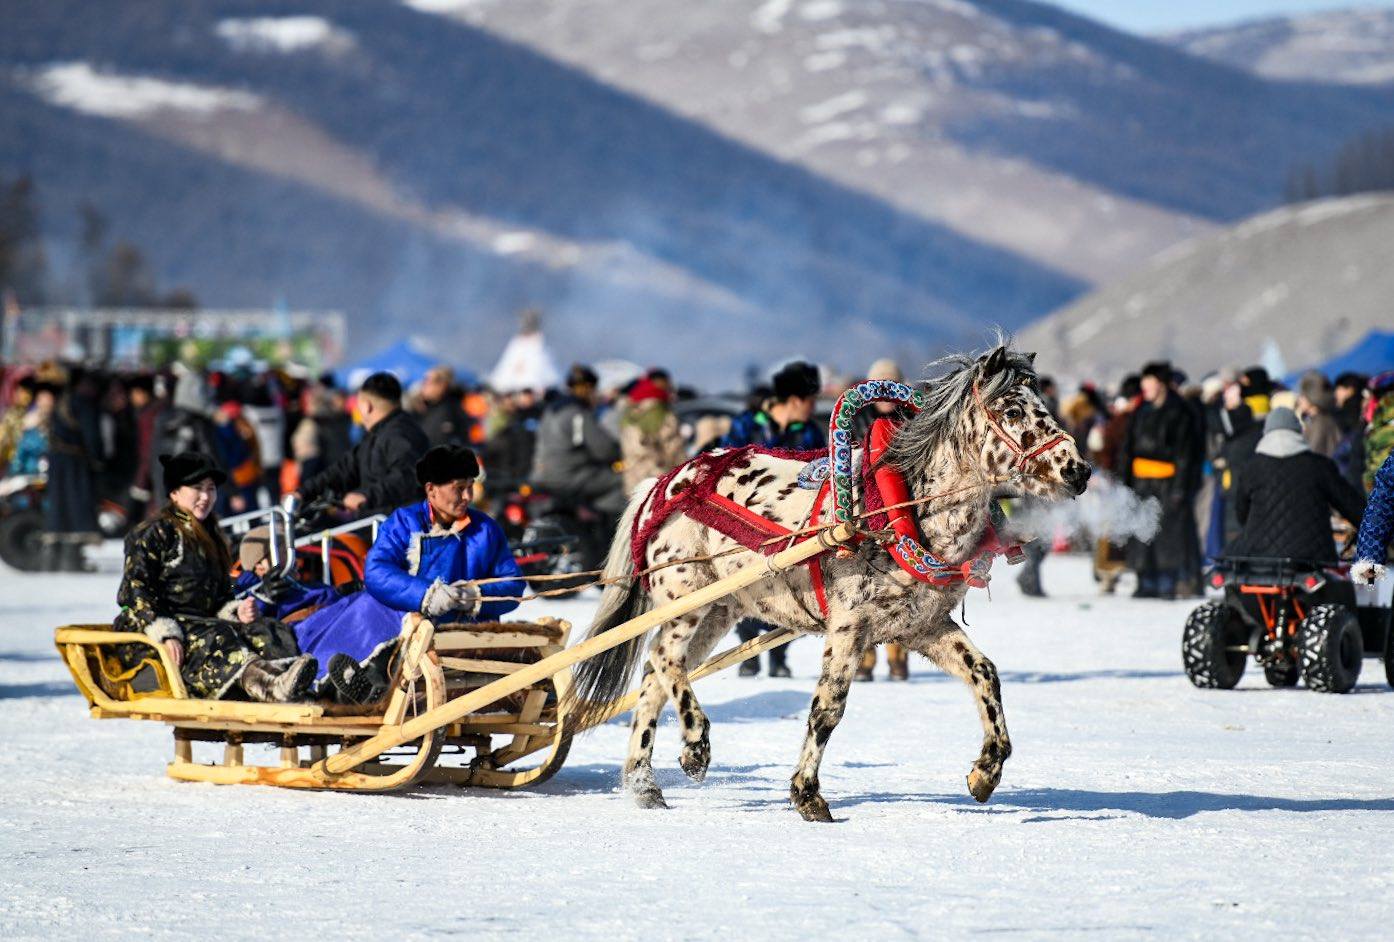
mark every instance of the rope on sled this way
{"type": "Point", "coordinates": [596, 577]}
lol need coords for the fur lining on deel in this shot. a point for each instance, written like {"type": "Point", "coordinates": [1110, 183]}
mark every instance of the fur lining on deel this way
{"type": "Point", "coordinates": [164, 629]}
{"type": "Point", "coordinates": [229, 611]}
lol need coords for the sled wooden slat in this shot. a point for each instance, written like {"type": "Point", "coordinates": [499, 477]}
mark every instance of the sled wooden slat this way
{"type": "Point", "coordinates": [476, 641]}
{"type": "Point", "coordinates": [481, 666]}
{"type": "Point", "coordinates": [490, 693]}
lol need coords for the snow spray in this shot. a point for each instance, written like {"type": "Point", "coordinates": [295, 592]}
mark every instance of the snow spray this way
{"type": "Point", "coordinates": [1106, 510]}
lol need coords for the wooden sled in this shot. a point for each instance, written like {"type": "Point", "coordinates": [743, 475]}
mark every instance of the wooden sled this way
{"type": "Point", "coordinates": [485, 748]}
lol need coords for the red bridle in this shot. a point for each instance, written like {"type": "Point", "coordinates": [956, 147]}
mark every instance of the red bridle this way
{"type": "Point", "coordinates": [1022, 455]}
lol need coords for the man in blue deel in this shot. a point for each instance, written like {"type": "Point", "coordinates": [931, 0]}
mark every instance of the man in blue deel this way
{"type": "Point", "coordinates": [426, 559]}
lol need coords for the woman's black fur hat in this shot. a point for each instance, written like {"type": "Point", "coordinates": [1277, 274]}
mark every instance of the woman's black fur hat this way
{"type": "Point", "coordinates": [446, 463]}
{"type": "Point", "coordinates": [190, 467]}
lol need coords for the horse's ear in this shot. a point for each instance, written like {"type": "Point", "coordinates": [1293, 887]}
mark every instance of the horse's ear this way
{"type": "Point", "coordinates": [996, 362]}
{"type": "Point", "coordinates": [1031, 358]}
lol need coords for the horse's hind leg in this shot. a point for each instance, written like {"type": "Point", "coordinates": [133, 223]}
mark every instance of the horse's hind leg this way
{"type": "Point", "coordinates": [638, 777]}
{"type": "Point", "coordinates": [679, 642]}
{"type": "Point", "coordinates": [956, 655]}
{"type": "Point", "coordinates": [842, 649]}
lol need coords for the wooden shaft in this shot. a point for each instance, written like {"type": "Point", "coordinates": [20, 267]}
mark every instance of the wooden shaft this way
{"type": "Point", "coordinates": [392, 737]}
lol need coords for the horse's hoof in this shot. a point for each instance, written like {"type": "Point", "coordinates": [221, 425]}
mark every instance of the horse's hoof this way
{"type": "Point", "coordinates": [816, 810]}
{"type": "Point", "coordinates": [981, 785]}
{"type": "Point", "coordinates": [652, 798]}
{"type": "Point", "coordinates": [695, 758]}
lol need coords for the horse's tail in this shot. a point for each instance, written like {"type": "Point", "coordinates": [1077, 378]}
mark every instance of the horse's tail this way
{"type": "Point", "coordinates": [598, 680]}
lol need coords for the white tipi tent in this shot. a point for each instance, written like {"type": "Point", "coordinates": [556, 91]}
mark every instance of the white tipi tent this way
{"type": "Point", "coordinates": [526, 362]}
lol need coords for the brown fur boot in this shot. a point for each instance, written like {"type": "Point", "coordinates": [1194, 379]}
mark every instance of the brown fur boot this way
{"type": "Point", "coordinates": [867, 665]}
{"type": "Point", "coordinates": [281, 681]}
{"type": "Point", "coordinates": [899, 661]}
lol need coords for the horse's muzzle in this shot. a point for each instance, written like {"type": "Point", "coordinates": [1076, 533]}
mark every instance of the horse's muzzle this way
{"type": "Point", "coordinates": [1076, 476]}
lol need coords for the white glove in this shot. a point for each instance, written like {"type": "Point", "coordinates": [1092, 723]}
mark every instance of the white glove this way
{"type": "Point", "coordinates": [441, 598]}
{"type": "Point", "coordinates": [1366, 572]}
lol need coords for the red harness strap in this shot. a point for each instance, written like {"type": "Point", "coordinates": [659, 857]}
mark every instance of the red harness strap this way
{"type": "Point", "coordinates": [747, 520]}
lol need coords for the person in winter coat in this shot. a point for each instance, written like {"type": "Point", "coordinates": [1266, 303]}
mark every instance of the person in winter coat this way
{"type": "Point", "coordinates": [239, 450]}
{"type": "Point", "coordinates": [1376, 528]}
{"type": "Point", "coordinates": [575, 457]}
{"type": "Point", "coordinates": [376, 474]}
{"type": "Point", "coordinates": [177, 591]}
{"type": "Point", "coordinates": [650, 439]}
{"type": "Point", "coordinates": [1379, 426]}
{"type": "Point", "coordinates": [264, 594]}
{"type": "Point", "coordinates": [186, 425]}
{"type": "Point", "coordinates": [30, 454]}
{"type": "Point", "coordinates": [74, 460]}
{"type": "Point", "coordinates": [426, 558]}
{"type": "Point", "coordinates": [12, 423]}
{"type": "Point", "coordinates": [1349, 396]}
{"type": "Point", "coordinates": [442, 414]}
{"type": "Point", "coordinates": [146, 410]}
{"type": "Point", "coordinates": [784, 425]}
{"type": "Point", "coordinates": [786, 422]}
{"type": "Point", "coordinates": [1315, 405]}
{"type": "Point", "coordinates": [1286, 494]}
{"type": "Point", "coordinates": [1160, 459]}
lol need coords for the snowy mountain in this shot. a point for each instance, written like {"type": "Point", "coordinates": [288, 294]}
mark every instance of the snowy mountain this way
{"type": "Point", "coordinates": [418, 172]}
{"type": "Point", "coordinates": [1312, 279]}
{"type": "Point", "coordinates": [1015, 123]}
{"type": "Point", "coordinates": [1354, 47]}
{"type": "Point", "coordinates": [710, 185]}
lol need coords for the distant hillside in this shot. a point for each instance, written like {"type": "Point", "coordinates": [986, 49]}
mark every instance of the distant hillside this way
{"type": "Point", "coordinates": [1313, 278]}
{"type": "Point", "coordinates": [1354, 47]}
{"type": "Point", "coordinates": [419, 172]}
{"type": "Point", "coordinates": [1016, 123]}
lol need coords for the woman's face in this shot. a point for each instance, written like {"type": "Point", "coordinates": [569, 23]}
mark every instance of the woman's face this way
{"type": "Point", "coordinates": [196, 499]}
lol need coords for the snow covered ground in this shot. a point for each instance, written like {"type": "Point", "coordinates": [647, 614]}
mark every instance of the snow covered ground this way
{"type": "Point", "coordinates": [1134, 806]}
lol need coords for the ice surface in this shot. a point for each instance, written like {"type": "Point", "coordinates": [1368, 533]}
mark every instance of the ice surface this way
{"type": "Point", "coordinates": [1135, 806]}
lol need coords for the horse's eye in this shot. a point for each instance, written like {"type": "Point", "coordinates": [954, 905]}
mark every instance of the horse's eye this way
{"type": "Point", "coordinates": [1013, 413]}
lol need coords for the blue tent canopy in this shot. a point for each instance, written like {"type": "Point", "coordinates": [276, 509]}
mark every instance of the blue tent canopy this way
{"type": "Point", "coordinates": [404, 360]}
{"type": "Point", "coordinates": [1373, 354]}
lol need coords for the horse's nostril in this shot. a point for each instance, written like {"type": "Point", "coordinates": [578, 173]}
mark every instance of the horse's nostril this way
{"type": "Point", "coordinates": [1077, 475]}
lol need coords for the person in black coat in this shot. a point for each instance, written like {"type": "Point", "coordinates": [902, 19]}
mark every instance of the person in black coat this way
{"type": "Point", "coordinates": [1160, 458]}
{"type": "Point", "coordinates": [379, 473]}
{"type": "Point", "coordinates": [1285, 496]}
{"type": "Point", "coordinates": [74, 460]}
{"type": "Point", "coordinates": [443, 417]}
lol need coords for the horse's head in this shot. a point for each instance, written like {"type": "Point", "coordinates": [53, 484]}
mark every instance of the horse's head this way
{"type": "Point", "coordinates": [1018, 439]}
{"type": "Point", "coordinates": [986, 414]}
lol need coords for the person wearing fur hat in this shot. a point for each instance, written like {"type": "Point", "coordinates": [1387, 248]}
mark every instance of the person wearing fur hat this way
{"type": "Point", "coordinates": [1286, 494]}
{"type": "Point", "coordinates": [426, 559]}
{"type": "Point", "coordinates": [650, 440]}
{"type": "Point", "coordinates": [1161, 459]}
{"type": "Point", "coordinates": [176, 589]}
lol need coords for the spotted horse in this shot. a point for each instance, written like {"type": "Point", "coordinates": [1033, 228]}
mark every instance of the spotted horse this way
{"type": "Point", "coordinates": [978, 432]}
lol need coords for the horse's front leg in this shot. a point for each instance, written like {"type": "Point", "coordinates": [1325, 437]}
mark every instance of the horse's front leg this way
{"type": "Point", "coordinates": [842, 649]}
{"type": "Point", "coordinates": [956, 655]}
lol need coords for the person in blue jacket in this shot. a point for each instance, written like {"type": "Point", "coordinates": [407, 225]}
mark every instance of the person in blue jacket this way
{"type": "Point", "coordinates": [264, 594]}
{"type": "Point", "coordinates": [1376, 527]}
{"type": "Point", "coordinates": [426, 559]}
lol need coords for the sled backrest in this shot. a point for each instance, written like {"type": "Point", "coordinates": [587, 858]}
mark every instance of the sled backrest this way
{"type": "Point", "coordinates": [90, 653]}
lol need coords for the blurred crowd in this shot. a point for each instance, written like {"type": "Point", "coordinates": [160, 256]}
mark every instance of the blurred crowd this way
{"type": "Point", "coordinates": [80, 443]}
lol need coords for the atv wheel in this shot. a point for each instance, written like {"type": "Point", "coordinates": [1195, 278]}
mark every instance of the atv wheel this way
{"type": "Point", "coordinates": [1332, 649]}
{"type": "Point", "coordinates": [21, 536]}
{"type": "Point", "coordinates": [1282, 675]}
{"type": "Point", "coordinates": [1211, 632]}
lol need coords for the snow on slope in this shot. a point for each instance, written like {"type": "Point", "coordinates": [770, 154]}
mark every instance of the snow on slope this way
{"type": "Point", "coordinates": [79, 86]}
{"type": "Point", "coordinates": [1134, 806]}
{"type": "Point", "coordinates": [1355, 47]}
{"type": "Point", "coordinates": [1314, 278]}
{"type": "Point", "coordinates": [864, 93]}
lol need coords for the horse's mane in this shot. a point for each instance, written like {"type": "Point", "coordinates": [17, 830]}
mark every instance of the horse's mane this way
{"type": "Point", "coordinates": [947, 396]}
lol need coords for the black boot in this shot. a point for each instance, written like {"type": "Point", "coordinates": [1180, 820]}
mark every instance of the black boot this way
{"type": "Point", "coordinates": [352, 683]}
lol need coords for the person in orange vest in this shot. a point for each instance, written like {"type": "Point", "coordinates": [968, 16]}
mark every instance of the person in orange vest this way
{"type": "Point", "coordinates": [1161, 459]}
